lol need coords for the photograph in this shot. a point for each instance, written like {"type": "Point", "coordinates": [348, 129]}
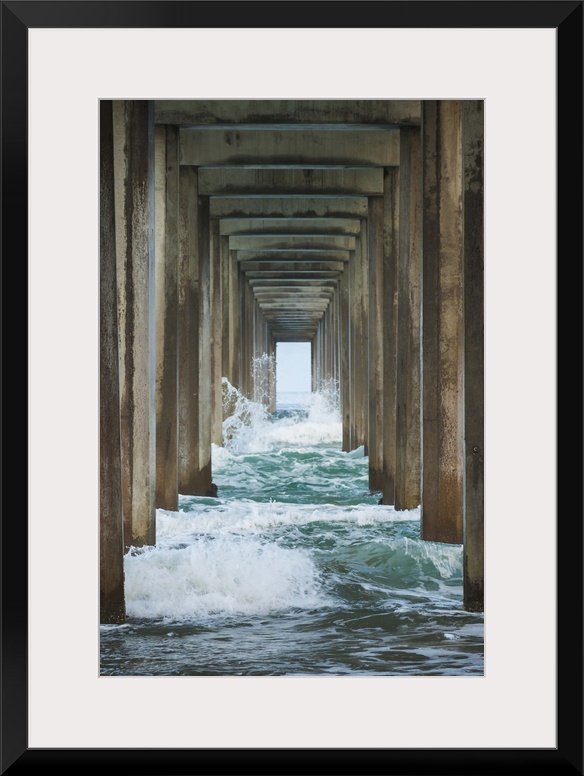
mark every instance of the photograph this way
{"type": "Point", "coordinates": [287, 359]}
{"type": "Point", "coordinates": [276, 352]}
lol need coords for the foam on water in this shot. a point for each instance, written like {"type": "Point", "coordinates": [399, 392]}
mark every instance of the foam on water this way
{"type": "Point", "coordinates": [295, 568]}
{"type": "Point", "coordinates": [249, 516]}
{"type": "Point", "coordinates": [249, 428]}
{"type": "Point", "coordinates": [220, 575]}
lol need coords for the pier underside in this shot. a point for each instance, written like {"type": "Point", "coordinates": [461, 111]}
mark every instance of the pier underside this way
{"type": "Point", "coordinates": [228, 226]}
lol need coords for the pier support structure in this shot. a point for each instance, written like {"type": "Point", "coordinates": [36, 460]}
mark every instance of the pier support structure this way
{"type": "Point", "coordinates": [230, 226]}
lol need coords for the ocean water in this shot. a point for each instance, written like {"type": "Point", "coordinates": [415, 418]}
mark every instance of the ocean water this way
{"type": "Point", "coordinates": [294, 570]}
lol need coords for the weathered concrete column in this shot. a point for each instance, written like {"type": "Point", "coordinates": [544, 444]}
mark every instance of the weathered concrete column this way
{"type": "Point", "coordinates": [226, 322]}
{"type": "Point", "coordinates": [323, 360]}
{"type": "Point", "coordinates": [166, 311]}
{"type": "Point", "coordinates": [111, 528]}
{"type": "Point", "coordinates": [330, 344]}
{"type": "Point", "coordinates": [217, 327]}
{"type": "Point", "coordinates": [189, 481]}
{"type": "Point", "coordinates": [272, 374]}
{"type": "Point", "coordinates": [326, 366]}
{"type": "Point", "coordinates": [315, 361]}
{"type": "Point", "coordinates": [344, 374]}
{"type": "Point", "coordinates": [247, 336]}
{"type": "Point", "coordinates": [359, 342]}
{"type": "Point", "coordinates": [375, 330]}
{"type": "Point", "coordinates": [361, 367]}
{"type": "Point", "coordinates": [243, 292]}
{"type": "Point", "coordinates": [235, 297]}
{"type": "Point", "coordinates": [408, 458]}
{"type": "Point", "coordinates": [443, 323]}
{"type": "Point", "coordinates": [206, 343]}
{"type": "Point", "coordinates": [337, 337]}
{"type": "Point", "coordinates": [473, 203]}
{"type": "Point", "coordinates": [254, 351]}
{"type": "Point", "coordinates": [354, 317]}
{"type": "Point", "coordinates": [258, 366]}
{"type": "Point", "coordinates": [329, 367]}
{"type": "Point", "coordinates": [134, 194]}
{"type": "Point", "coordinates": [391, 189]}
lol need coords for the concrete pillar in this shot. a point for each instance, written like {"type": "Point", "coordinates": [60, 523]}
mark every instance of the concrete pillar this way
{"type": "Point", "coordinates": [188, 335]}
{"type": "Point", "coordinates": [217, 328]}
{"type": "Point", "coordinates": [226, 322]}
{"type": "Point", "coordinates": [272, 374]}
{"type": "Point", "coordinates": [331, 342]}
{"type": "Point", "coordinates": [111, 528]}
{"type": "Point", "coordinates": [443, 323]}
{"type": "Point", "coordinates": [390, 249]}
{"type": "Point", "coordinates": [473, 202]}
{"type": "Point", "coordinates": [257, 367]}
{"type": "Point", "coordinates": [359, 342]}
{"type": "Point", "coordinates": [166, 312]}
{"type": "Point", "coordinates": [247, 339]}
{"type": "Point", "coordinates": [326, 372]}
{"type": "Point", "coordinates": [254, 349]}
{"type": "Point", "coordinates": [375, 330]}
{"type": "Point", "coordinates": [315, 361]}
{"type": "Point", "coordinates": [323, 360]}
{"type": "Point", "coordinates": [134, 195]}
{"type": "Point", "coordinates": [206, 342]}
{"type": "Point", "coordinates": [408, 458]}
{"type": "Point", "coordinates": [235, 302]}
{"type": "Point", "coordinates": [337, 343]}
{"type": "Point", "coordinates": [244, 340]}
{"type": "Point", "coordinates": [353, 329]}
{"type": "Point", "coordinates": [344, 375]}
{"type": "Point", "coordinates": [361, 395]}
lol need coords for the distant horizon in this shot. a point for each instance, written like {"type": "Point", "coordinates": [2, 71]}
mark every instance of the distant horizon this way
{"type": "Point", "coordinates": [293, 368]}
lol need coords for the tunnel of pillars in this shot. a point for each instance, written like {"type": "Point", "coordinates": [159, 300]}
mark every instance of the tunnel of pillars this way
{"type": "Point", "coordinates": [229, 226]}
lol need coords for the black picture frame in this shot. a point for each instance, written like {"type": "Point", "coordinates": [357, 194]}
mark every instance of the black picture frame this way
{"type": "Point", "coordinates": [17, 17]}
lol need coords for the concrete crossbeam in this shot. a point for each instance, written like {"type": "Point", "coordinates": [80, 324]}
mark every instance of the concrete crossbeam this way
{"type": "Point", "coordinates": [281, 283]}
{"type": "Point", "coordinates": [307, 180]}
{"type": "Point", "coordinates": [302, 242]}
{"type": "Point", "coordinates": [287, 207]}
{"type": "Point", "coordinates": [203, 147]}
{"type": "Point", "coordinates": [292, 266]}
{"type": "Point", "coordinates": [312, 255]}
{"type": "Point", "coordinates": [342, 113]}
{"type": "Point", "coordinates": [305, 302]}
{"type": "Point", "coordinates": [298, 274]}
{"type": "Point", "coordinates": [328, 226]}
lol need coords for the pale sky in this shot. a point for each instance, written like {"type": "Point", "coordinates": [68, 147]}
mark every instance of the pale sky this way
{"type": "Point", "coordinates": [293, 367]}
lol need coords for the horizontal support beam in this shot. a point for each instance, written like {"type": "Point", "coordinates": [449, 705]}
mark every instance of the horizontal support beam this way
{"type": "Point", "coordinates": [305, 306]}
{"type": "Point", "coordinates": [294, 242]}
{"type": "Point", "coordinates": [352, 181]}
{"type": "Point", "coordinates": [292, 274]}
{"type": "Point", "coordinates": [305, 334]}
{"type": "Point", "coordinates": [285, 112]}
{"type": "Point", "coordinates": [306, 256]}
{"type": "Point", "coordinates": [288, 207]}
{"type": "Point", "coordinates": [281, 292]}
{"type": "Point", "coordinates": [283, 283]}
{"type": "Point", "coordinates": [292, 317]}
{"type": "Point", "coordinates": [288, 323]}
{"type": "Point", "coordinates": [292, 266]}
{"type": "Point", "coordinates": [293, 324]}
{"type": "Point", "coordinates": [205, 148]}
{"type": "Point", "coordinates": [286, 226]}
{"type": "Point", "coordinates": [300, 297]}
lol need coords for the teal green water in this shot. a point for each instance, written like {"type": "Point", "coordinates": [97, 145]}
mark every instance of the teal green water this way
{"type": "Point", "coordinates": [293, 570]}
